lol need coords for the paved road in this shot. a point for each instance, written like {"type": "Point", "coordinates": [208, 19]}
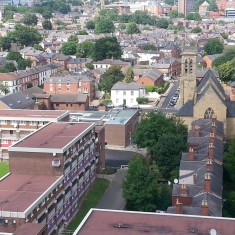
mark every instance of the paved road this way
{"type": "Point", "coordinates": [112, 198]}
{"type": "Point", "coordinates": [116, 158]}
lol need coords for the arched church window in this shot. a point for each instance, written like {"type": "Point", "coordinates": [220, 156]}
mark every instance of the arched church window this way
{"type": "Point", "coordinates": [191, 66]}
{"type": "Point", "coordinates": [186, 66]}
{"type": "Point", "coordinates": [209, 113]}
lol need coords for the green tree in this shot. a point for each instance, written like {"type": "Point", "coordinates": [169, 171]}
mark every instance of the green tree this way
{"type": "Point", "coordinates": [170, 2]}
{"type": "Point", "coordinates": [30, 19]}
{"type": "Point", "coordinates": [149, 47]}
{"type": "Point", "coordinates": [132, 28]}
{"type": "Point", "coordinates": [229, 161]}
{"type": "Point", "coordinates": [193, 16]}
{"type": "Point", "coordinates": [214, 46]}
{"type": "Point", "coordinates": [47, 25]}
{"type": "Point", "coordinates": [167, 153]}
{"type": "Point", "coordinates": [140, 186]}
{"type": "Point", "coordinates": [110, 77]}
{"type": "Point", "coordinates": [104, 25]}
{"type": "Point", "coordinates": [23, 64]}
{"type": "Point", "coordinates": [25, 36]}
{"type": "Point", "coordinates": [107, 47]}
{"type": "Point", "coordinates": [89, 66]}
{"type": "Point", "coordinates": [143, 17]}
{"type": "Point", "coordinates": [196, 30]}
{"type": "Point", "coordinates": [14, 55]}
{"type": "Point", "coordinates": [129, 76]}
{"type": "Point", "coordinates": [162, 23]}
{"type": "Point", "coordinates": [38, 47]}
{"type": "Point", "coordinates": [4, 89]}
{"type": "Point", "coordinates": [69, 48]}
{"type": "Point", "coordinates": [90, 24]}
{"type": "Point", "coordinates": [229, 205]}
{"type": "Point", "coordinates": [228, 55]}
{"type": "Point", "coordinates": [10, 67]}
{"type": "Point", "coordinates": [213, 6]}
{"type": "Point", "coordinates": [175, 14]}
{"type": "Point", "coordinates": [85, 49]}
{"type": "Point", "coordinates": [73, 38]}
{"type": "Point", "coordinates": [47, 14]}
{"type": "Point", "coordinates": [82, 32]}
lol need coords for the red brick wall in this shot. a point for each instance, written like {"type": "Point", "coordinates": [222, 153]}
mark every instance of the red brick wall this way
{"type": "Point", "coordinates": [34, 163]}
{"type": "Point", "coordinates": [77, 106]}
{"type": "Point", "coordinates": [185, 200]}
{"type": "Point", "coordinates": [115, 135]}
{"type": "Point", "coordinates": [73, 88]}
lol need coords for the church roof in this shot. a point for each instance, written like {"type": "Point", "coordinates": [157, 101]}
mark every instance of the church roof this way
{"type": "Point", "coordinates": [186, 110]}
{"type": "Point", "coordinates": [230, 108]}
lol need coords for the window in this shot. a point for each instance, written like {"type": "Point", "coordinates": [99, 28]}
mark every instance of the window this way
{"type": "Point", "coordinates": [117, 100]}
{"type": "Point", "coordinates": [13, 122]}
{"type": "Point", "coordinates": [71, 105]}
{"type": "Point", "coordinates": [11, 132]}
{"type": "Point", "coordinates": [132, 92]}
{"type": "Point", "coordinates": [67, 105]}
{"type": "Point", "coordinates": [33, 123]}
{"type": "Point", "coordinates": [116, 92]}
{"type": "Point", "coordinates": [59, 88]}
{"type": "Point", "coordinates": [4, 141]}
{"type": "Point", "coordinates": [124, 92]}
{"type": "Point", "coordinates": [22, 122]}
{"type": "Point", "coordinates": [209, 113]}
{"type": "Point", "coordinates": [3, 122]}
{"type": "Point", "coordinates": [57, 105]}
{"type": "Point", "coordinates": [85, 90]}
{"type": "Point", "coordinates": [132, 100]}
{"type": "Point", "coordinates": [68, 88]}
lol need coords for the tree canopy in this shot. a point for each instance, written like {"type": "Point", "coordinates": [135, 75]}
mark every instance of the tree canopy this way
{"type": "Point", "coordinates": [149, 47]}
{"type": "Point", "coordinates": [129, 76]}
{"type": "Point", "coordinates": [162, 23]}
{"type": "Point", "coordinates": [132, 28]}
{"type": "Point", "coordinates": [104, 25]}
{"type": "Point", "coordinates": [30, 19]}
{"type": "Point", "coordinates": [47, 25]}
{"type": "Point", "coordinates": [175, 14]}
{"type": "Point", "coordinates": [214, 46]}
{"type": "Point", "coordinates": [110, 77]}
{"type": "Point", "coordinates": [107, 47]}
{"type": "Point", "coordinates": [69, 48]}
{"type": "Point", "coordinates": [229, 161]}
{"type": "Point", "coordinates": [85, 49]}
{"type": "Point", "coordinates": [196, 30]}
{"type": "Point", "coordinates": [193, 16]}
{"type": "Point", "coordinates": [90, 24]}
{"type": "Point", "coordinates": [141, 190]}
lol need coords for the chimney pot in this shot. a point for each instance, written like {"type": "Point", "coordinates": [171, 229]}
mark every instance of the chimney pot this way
{"type": "Point", "coordinates": [212, 138]}
{"type": "Point", "coordinates": [207, 183]}
{"type": "Point", "coordinates": [209, 163]}
{"type": "Point", "coordinates": [183, 189]}
{"type": "Point", "coordinates": [211, 151]}
{"type": "Point", "coordinates": [197, 130]}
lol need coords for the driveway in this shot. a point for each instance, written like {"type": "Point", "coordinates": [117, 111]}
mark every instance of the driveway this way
{"type": "Point", "coordinates": [112, 198]}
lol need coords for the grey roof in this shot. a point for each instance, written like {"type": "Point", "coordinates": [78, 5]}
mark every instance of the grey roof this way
{"type": "Point", "coordinates": [230, 108]}
{"type": "Point", "coordinates": [127, 86]}
{"type": "Point", "coordinates": [17, 100]}
{"type": "Point", "coordinates": [68, 98]}
{"type": "Point", "coordinates": [213, 57]}
{"type": "Point", "coordinates": [200, 73]}
{"type": "Point", "coordinates": [186, 110]}
{"type": "Point", "coordinates": [30, 91]}
{"type": "Point", "coordinates": [153, 74]}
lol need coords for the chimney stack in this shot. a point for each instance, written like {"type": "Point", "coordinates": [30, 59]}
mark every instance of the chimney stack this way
{"type": "Point", "coordinates": [178, 207]}
{"type": "Point", "coordinates": [191, 155]}
{"type": "Point", "coordinates": [204, 208]}
{"type": "Point", "coordinates": [183, 189]}
{"type": "Point", "coordinates": [211, 151]}
{"type": "Point", "coordinates": [213, 128]}
{"type": "Point", "coordinates": [212, 138]}
{"type": "Point", "coordinates": [197, 130]}
{"type": "Point", "coordinates": [209, 163]}
{"type": "Point", "coordinates": [207, 183]}
{"type": "Point", "coordinates": [194, 178]}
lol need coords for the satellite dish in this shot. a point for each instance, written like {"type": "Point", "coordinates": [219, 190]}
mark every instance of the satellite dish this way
{"type": "Point", "coordinates": [213, 232]}
{"type": "Point", "coordinates": [176, 181]}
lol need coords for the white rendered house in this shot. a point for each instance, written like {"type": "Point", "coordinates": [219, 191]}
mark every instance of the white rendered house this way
{"type": "Point", "coordinates": [126, 93]}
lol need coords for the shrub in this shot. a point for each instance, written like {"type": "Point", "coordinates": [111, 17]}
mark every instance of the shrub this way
{"type": "Point", "coordinates": [107, 101]}
{"type": "Point", "coordinates": [142, 100]}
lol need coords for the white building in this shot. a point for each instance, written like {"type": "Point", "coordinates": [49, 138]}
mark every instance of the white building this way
{"type": "Point", "coordinates": [126, 93]}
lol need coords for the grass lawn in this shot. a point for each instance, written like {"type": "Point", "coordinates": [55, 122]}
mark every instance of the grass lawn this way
{"type": "Point", "coordinates": [4, 169]}
{"type": "Point", "coordinates": [92, 199]}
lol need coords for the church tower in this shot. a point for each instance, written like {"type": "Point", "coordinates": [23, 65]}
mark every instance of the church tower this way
{"type": "Point", "coordinates": [188, 76]}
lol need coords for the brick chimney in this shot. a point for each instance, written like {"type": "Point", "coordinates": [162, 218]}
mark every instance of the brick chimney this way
{"type": "Point", "coordinates": [209, 163]}
{"type": "Point", "coordinates": [211, 151]}
{"type": "Point", "coordinates": [232, 91]}
{"type": "Point", "coordinates": [191, 155]}
{"type": "Point", "coordinates": [207, 183]}
{"type": "Point", "coordinates": [213, 128]}
{"type": "Point", "coordinates": [212, 138]}
{"type": "Point", "coordinates": [194, 178]}
{"type": "Point", "coordinates": [204, 208]}
{"type": "Point", "coordinates": [197, 130]}
{"type": "Point", "coordinates": [183, 189]}
{"type": "Point", "coordinates": [178, 207]}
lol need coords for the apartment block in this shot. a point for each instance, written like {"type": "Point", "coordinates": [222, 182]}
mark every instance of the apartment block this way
{"type": "Point", "coordinates": [51, 170]}
{"type": "Point", "coordinates": [17, 124]}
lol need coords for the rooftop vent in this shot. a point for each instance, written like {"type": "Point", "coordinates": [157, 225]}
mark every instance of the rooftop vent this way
{"type": "Point", "coordinates": [121, 225]}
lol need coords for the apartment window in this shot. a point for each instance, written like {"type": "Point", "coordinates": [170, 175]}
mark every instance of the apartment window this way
{"type": "Point", "coordinates": [22, 122]}
{"type": "Point", "coordinates": [117, 100]}
{"type": "Point", "coordinates": [85, 90]}
{"type": "Point", "coordinates": [33, 123]}
{"type": "Point", "coordinates": [6, 83]}
{"type": "Point", "coordinates": [124, 92]}
{"type": "Point", "coordinates": [3, 122]}
{"type": "Point", "coordinates": [116, 92]}
{"type": "Point", "coordinates": [4, 141]}
{"type": "Point", "coordinates": [57, 105]}
{"type": "Point", "coordinates": [132, 92]}
{"type": "Point", "coordinates": [11, 132]}
{"type": "Point", "coordinates": [13, 122]}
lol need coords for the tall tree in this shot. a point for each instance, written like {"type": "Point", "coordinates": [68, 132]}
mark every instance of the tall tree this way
{"type": "Point", "coordinates": [30, 19]}
{"type": "Point", "coordinates": [85, 49]}
{"type": "Point", "coordinates": [110, 77]}
{"type": "Point", "coordinates": [229, 161]}
{"type": "Point", "coordinates": [132, 28]}
{"type": "Point", "coordinates": [129, 76]}
{"type": "Point", "coordinates": [107, 47]}
{"type": "Point", "coordinates": [69, 48]}
{"type": "Point", "coordinates": [214, 46]}
{"type": "Point", "coordinates": [47, 25]}
{"type": "Point", "coordinates": [14, 55]}
{"type": "Point", "coordinates": [104, 25]}
{"type": "Point", "coordinates": [162, 23]}
{"type": "Point", "coordinates": [141, 189]}
{"type": "Point", "coordinates": [90, 24]}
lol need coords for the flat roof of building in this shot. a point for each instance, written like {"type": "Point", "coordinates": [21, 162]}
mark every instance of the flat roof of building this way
{"type": "Point", "coordinates": [110, 222]}
{"type": "Point", "coordinates": [54, 137]}
{"type": "Point", "coordinates": [31, 115]}
{"type": "Point", "coordinates": [18, 191]}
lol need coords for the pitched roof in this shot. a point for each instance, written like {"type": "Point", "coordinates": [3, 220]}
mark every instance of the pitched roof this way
{"type": "Point", "coordinates": [186, 110]}
{"type": "Point", "coordinates": [68, 98]}
{"type": "Point", "coordinates": [127, 86]}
